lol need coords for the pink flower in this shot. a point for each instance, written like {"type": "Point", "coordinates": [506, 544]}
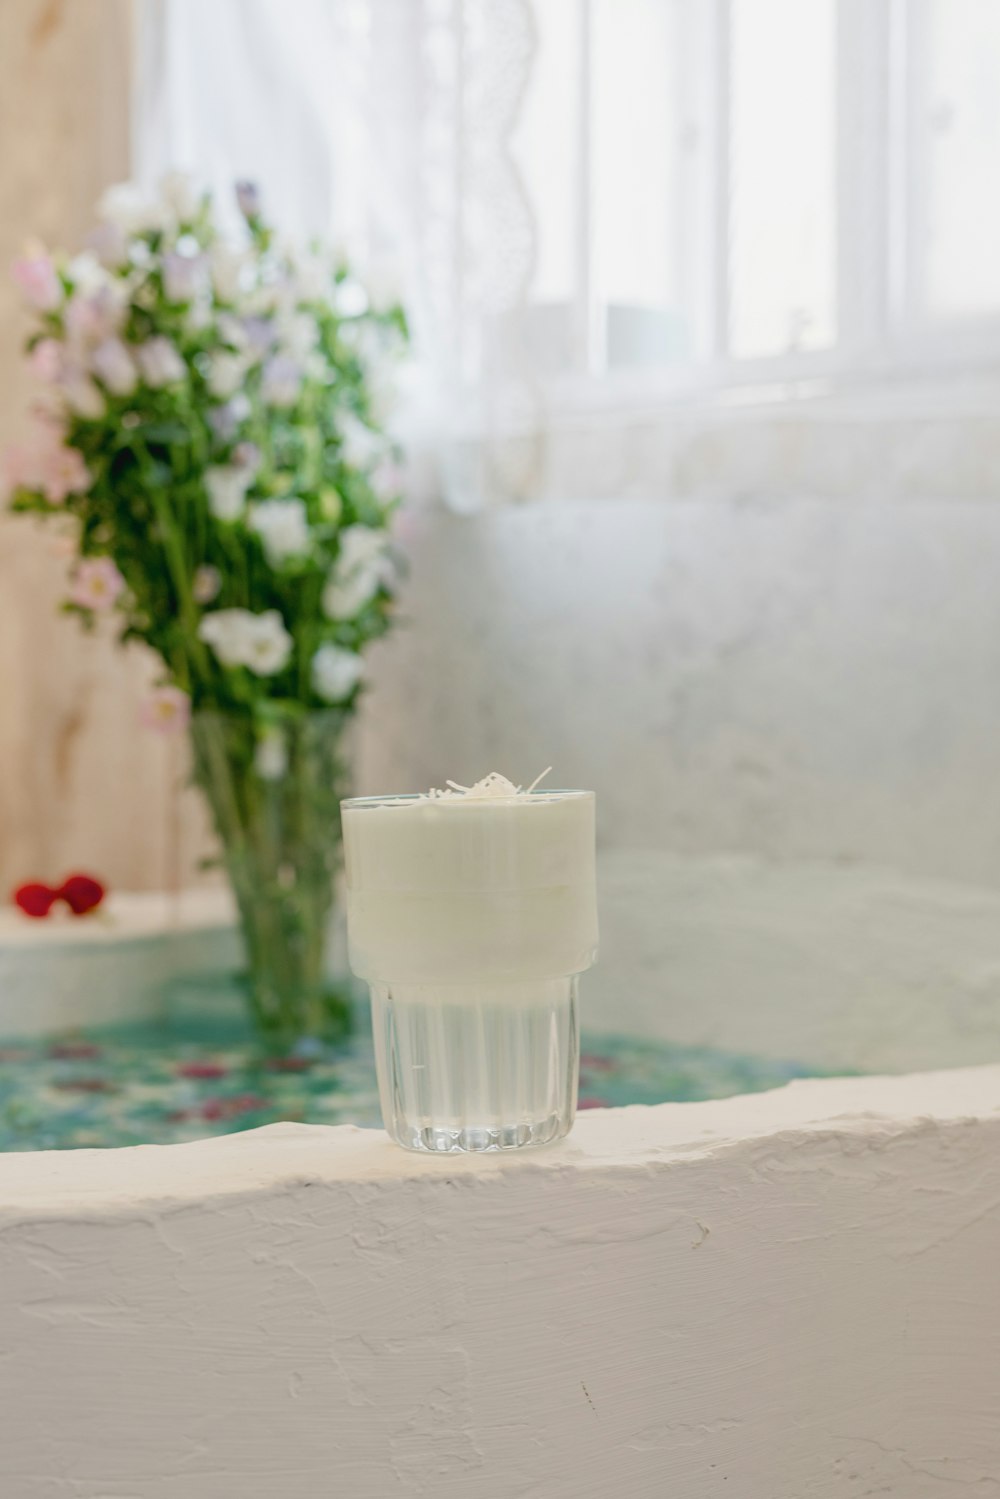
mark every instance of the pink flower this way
{"type": "Point", "coordinates": [97, 585]}
{"type": "Point", "coordinates": [38, 280]}
{"type": "Point", "coordinates": [46, 360]}
{"type": "Point", "coordinates": [46, 467]}
{"type": "Point", "coordinates": [109, 244]}
{"type": "Point", "coordinates": [167, 711]}
{"type": "Point", "coordinates": [92, 316]}
{"type": "Point", "coordinates": [63, 473]}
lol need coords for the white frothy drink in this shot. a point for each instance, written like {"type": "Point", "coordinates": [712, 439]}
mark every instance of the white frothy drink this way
{"type": "Point", "coordinates": [470, 915]}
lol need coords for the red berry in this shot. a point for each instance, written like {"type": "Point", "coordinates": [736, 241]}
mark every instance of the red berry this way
{"type": "Point", "coordinates": [82, 893]}
{"type": "Point", "coordinates": [35, 899]}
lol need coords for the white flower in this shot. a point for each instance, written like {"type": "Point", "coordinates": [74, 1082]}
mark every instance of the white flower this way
{"type": "Point", "coordinates": [87, 274]}
{"type": "Point", "coordinates": [298, 335]}
{"type": "Point", "coordinates": [360, 446]}
{"type": "Point", "coordinates": [362, 565]}
{"type": "Point", "coordinates": [335, 673]}
{"type": "Point", "coordinates": [312, 277]}
{"type": "Point", "coordinates": [283, 527]}
{"type": "Point", "coordinates": [112, 364]}
{"type": "Point", "coordinates": [130, 208]}
{"type": "Point", "coordinates": [239, 638]}
{"type": "Point", "coordinates": [229, 271]}
{"type": "Point", "coordinates": [198, 316]}
{"type": "Point", "coordinates": [179, 195]}
{"type": "Point", "coordinates": [350, 298]}
{"type": "Point", "coordinates": [226, 373]}
{"type": "Point", "coordinates": [160, 363]}
{"type": "Point", "coordinates": [227, 491]}
{"type": "Point", "coordinates": [270, 759]}
{"type": "Point", "coordinates": [232, 331]}
{"type": "Point", "coordinates": [269, 645]}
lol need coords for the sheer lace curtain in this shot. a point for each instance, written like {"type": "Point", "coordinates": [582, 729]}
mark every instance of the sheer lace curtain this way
{"type": "Point", "coordinates": [648, 251]}
{"type": "Point", "coordinates": [384, 125]}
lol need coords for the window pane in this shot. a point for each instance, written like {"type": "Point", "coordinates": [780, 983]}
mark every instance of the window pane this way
{"type": "Point", "coordinates": [634, 63]}
{"type": "Point", "coordinates": [958, 131]}
{"type": "Point", "coordinates": [782, 164]}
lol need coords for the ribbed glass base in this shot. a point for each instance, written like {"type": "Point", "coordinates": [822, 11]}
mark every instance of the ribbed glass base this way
{"type": "Point", "coordinates": [477, 1068]}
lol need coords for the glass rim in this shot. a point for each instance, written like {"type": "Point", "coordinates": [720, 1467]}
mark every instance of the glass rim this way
{"type": "Point", "coordinates": [396, 798]}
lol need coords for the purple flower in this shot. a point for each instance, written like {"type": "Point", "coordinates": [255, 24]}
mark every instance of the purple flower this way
{"type": "Point", "coordinates": [225, 420]}
{"type": "Point", "coordinates": [95, 315]}
{"type": "Point", "coordinates": [183, 276]}
{"type": "Point", "coordinates": [282, 381]}
{"type": "Point", "coordinates": [259, 332]}
{"type": "Point", "coordinates": [248, 198]}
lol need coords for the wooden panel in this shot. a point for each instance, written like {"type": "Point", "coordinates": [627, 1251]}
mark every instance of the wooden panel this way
{"type": "Point", "coordinates": [80, 783]}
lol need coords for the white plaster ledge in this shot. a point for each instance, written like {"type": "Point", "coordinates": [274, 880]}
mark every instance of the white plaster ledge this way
{"type": "Point", "coordinates": [282, 1155]}
{"type": "Point", "coordinates": [785, 1296]}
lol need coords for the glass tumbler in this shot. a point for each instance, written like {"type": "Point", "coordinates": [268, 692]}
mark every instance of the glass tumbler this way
{"type": "Point", "coordinates": [471, 920]}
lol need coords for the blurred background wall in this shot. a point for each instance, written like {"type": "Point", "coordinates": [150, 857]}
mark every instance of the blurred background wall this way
{"type": "Point", "coordinates": [773, 630]}
{"type": "Point", "coordinates": [80, 784]}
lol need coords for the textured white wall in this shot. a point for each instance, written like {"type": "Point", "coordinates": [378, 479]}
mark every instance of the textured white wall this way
{"type": "Point", "coordinates": [777, 1297]}
{"type": "Point", "coordinates": [795, 678]}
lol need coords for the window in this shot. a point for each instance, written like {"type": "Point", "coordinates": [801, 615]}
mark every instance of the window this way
{"type": "Point", "coordinates": [761, 188]}
{"type": "Point", "coordinates": [623, 195]}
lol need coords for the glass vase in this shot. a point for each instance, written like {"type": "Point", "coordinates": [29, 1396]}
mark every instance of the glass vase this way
{"type": "Point", "coordinates": [274, 798]}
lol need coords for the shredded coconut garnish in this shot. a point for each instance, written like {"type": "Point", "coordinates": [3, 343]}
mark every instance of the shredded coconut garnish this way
{"type": "Point", "coordinates": [493, 787]}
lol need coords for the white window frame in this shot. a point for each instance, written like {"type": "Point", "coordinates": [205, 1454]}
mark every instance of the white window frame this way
{"type": "Point", "coordinates": [884, 338]}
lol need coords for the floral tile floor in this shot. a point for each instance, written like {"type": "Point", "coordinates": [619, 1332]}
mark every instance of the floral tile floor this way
{"type": "Point", "coordinates": [153, 1085]}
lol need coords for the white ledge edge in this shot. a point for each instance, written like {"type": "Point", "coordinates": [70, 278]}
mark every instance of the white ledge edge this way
{"type": "Point", "coordinates": [56, 1183]}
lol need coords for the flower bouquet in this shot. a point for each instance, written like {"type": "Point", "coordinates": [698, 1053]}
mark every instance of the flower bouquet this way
{"type": "Point", "coordinates": [210, 430]}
